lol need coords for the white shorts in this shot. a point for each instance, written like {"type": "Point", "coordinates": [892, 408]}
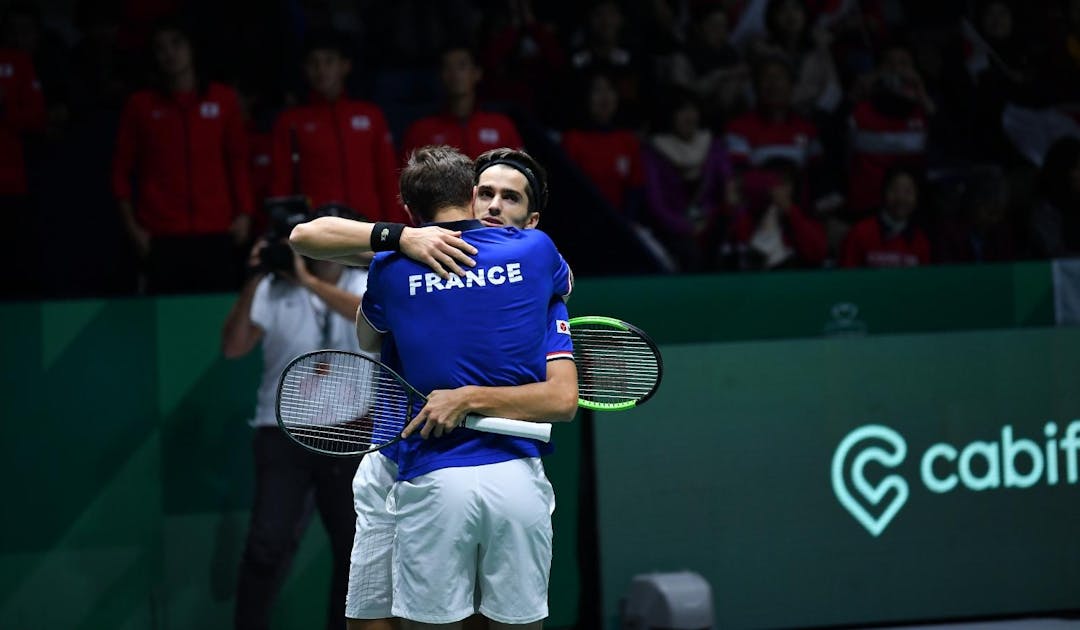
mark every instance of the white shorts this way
{"type": "Point", "coordinates": [473, 539]}
{"type": "Point", "coordinates": [371, 563]}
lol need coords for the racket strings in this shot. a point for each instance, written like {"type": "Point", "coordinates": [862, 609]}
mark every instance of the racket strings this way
{"type": "Point", "coordinates": [342, 403]}
{"type": "Point", "coordinates": [614, 365]}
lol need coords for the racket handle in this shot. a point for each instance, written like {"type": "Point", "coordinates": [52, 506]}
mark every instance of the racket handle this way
{"type": "Point", "coordinates": [517, 428]}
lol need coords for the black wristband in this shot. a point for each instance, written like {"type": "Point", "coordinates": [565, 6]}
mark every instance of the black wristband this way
{"type": "Point", "coordinates": [386, 237]}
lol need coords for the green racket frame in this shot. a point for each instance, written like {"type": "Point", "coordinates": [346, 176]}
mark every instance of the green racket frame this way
{"type": "Point", "coordinates": [618, 324]}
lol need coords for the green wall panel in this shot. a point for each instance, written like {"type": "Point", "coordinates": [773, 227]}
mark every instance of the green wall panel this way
{"type": "Point", "coordinates": [695, 308]}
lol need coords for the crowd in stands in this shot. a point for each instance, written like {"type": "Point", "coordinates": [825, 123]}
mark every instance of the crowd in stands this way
{"type": "Point", "coordinates": [141, 139]}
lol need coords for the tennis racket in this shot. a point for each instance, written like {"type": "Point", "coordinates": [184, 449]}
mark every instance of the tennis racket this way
{"type": "Point", "coordinates": [341, 403]}
{"type": "Point", "coordinates": [619, 367]}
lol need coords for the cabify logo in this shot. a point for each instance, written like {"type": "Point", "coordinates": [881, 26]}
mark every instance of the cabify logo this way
{"type": "Point", "coordinates": [979, 465]}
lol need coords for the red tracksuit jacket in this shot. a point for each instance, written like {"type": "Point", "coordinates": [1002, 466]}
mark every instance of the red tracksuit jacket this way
{"type": "Point", "coordinates": [346, 155]}
{"type": "Point", "coordinates": [866, 245]}
{"type": "Point", "coordinates": [481, 131]}
{"type": "Point", "coordinates": [22, 108]}
{"type": "Point", "coordinates": [801, 232]}
{"type": "Point", "coordinates": [188, 153]}
{"type": "Point", "coordinates": [878, 142]}
{"type": "Point", "coordinates": [611, 159]}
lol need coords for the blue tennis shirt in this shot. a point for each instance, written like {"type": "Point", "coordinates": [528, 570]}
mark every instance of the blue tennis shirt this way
{"type": "Point", "coordinates": [489, 328]}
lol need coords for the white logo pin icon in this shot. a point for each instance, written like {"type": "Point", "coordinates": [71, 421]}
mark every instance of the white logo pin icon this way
{"type": "Point", "coordinates": [890, 486]}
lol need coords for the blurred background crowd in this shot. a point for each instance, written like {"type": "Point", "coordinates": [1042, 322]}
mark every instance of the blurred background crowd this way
{"type": "Point", "coordinates": [141, 139]}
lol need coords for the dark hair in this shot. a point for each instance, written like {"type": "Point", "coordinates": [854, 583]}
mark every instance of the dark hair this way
{"type": "Point", "coordinates": [764, 62]}
{"type": "Point", "coordinates": [896, 42]}
{"type": "Point", "coordinates": [674, 99]}
{"type": "Point", "coordinates": [178, 24]}
{"type": "Point", "coordinates": [582, 86]}
{"type": "Point", "coordinates": [788, 171]}
{"type": "Point", "coordinates": [772, 10]}
{"type": "Point", "coordinates": [536, 187]}
{"type": "Point", "coordinates": [173, 23]}
{"type": "Point", "coordinates": [436, 177]}
{"type": "Point", "coordinates": [455, 46]}
{"type": "Point", "coordinates": [327, 39]}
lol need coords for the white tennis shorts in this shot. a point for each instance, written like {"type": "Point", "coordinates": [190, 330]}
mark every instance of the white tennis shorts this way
{"type": "Point", "coordinates": [371, 564]}
{"type": "Point", "coordinates": [473, 539]}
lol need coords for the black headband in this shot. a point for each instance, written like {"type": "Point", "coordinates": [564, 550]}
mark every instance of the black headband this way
{"type": "Point", "coordinates": [520, 166]}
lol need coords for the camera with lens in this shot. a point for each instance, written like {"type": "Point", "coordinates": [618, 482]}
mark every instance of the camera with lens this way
{"type": "Point", "coordinates": [284, 213]}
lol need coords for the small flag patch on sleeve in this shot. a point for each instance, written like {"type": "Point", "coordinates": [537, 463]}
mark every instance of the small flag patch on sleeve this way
{"type": "Point", "coordinates": [562, 326]}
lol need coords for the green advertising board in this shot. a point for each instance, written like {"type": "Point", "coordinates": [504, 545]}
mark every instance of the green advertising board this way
{"type": "Point", "coordinates": [129, 466]}
{"type": "Point", "coordinates": [852, 480]}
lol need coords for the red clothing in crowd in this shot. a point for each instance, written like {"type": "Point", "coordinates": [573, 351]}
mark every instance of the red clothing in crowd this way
{"type": "Point", "coordinates": [346, 155]}
{"type": "Point", "coordinates": [753, 139]}
{"type": "Point", "coordinates": [878, 142]}
{"type": "Point", "coordinates": [22, 109]}
{"type": "Point", "coordinates": [481, 131]}
{"type": "Point", "coordinates": [611, 159]}
{"type": "Point", "coordinates": [521, 63]}
{"type": "Point", "coordinates": [867, 245]}
{"type": "Point", "coordinates": [801, 233]}
{"type": "Point", "coordinates": [188, 153]}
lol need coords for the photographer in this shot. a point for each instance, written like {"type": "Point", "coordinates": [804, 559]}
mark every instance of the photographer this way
{"type": "Point", "coordinates": [291, 305]}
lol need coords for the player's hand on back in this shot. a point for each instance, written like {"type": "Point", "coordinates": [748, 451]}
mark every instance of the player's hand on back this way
{"type": "Point", "coordinates": [441, 249]}
{"type": "Point", "coordinates": [445, 410]}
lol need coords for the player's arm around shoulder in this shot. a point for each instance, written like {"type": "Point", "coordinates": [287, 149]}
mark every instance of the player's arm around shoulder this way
{"type": "Point", "coordinates": [352, 242]}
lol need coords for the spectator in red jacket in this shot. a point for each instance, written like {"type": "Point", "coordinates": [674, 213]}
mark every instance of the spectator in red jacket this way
{"type": "Point", "coordinates": [890, 239]}
{"type": "Point", "coordinates": [461, 125]}
{"type": "Point", "coordinates": [889, 127]}
{"type": "Point", "coordinates": [770, 230]}
{"type": "Point", "coordinates": [522, 58]}
{"type": "Point", "coordinates": [610, 156]}
{"type": "Point", "coordinates": [335, 149]}
{"type": "Point", "coordinates": [184, 144]}
{"type": "Point", "coordinates": [773, 130]}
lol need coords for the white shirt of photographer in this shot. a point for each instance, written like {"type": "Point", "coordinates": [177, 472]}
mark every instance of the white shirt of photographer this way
{"type": "Point", "coordinates": [293, 319]}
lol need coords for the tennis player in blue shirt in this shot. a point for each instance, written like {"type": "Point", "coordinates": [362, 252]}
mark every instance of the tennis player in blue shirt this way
{"type": "Point", "coordinates": [472, 509]}
{"type": "Point", "coordinates": [502, 197]}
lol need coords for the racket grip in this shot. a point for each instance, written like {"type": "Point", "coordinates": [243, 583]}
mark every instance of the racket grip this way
{"type": "Point", "coordinates": [517, 428]}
